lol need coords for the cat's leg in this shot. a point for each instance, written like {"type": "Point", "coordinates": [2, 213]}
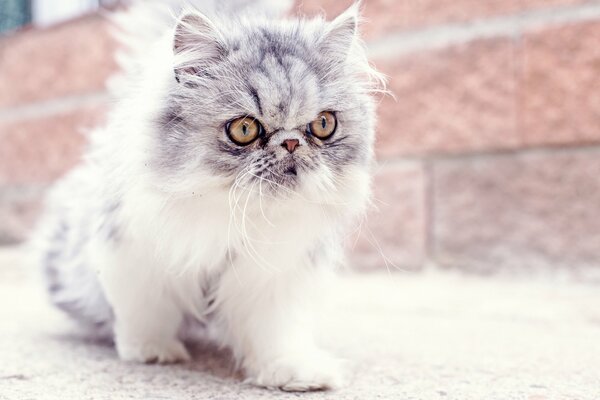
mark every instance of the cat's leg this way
{"type": "Point", "coordinates": [147, 318]}
{"type": "Point", "coordinates": [268, 323]}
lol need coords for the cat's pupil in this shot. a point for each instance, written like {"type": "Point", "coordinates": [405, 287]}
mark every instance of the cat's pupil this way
{"type": "Point", "coordinates": [323, 122]}
{"type": "Point", "coordinates": [245, 130]}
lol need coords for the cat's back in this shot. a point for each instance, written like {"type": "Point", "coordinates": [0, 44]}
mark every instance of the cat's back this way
{"type": "Point", "coordinates": [77, 210]}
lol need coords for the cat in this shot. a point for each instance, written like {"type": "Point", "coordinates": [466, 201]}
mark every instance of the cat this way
{"type": "Point", "coordinates": [236, 157]}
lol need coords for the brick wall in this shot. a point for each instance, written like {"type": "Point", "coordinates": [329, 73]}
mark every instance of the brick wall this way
{"type": "Point", "coordinates": [489, 155]}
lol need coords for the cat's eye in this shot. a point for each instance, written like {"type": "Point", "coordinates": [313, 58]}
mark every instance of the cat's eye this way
{"type": "Point", "coordinates": [243, 131]}
{"type": "Point", "coordinates": [323, 126]}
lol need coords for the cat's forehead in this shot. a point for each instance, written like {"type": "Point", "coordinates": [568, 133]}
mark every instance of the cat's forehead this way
{"type": "Point", "coordinates": [280, 74]}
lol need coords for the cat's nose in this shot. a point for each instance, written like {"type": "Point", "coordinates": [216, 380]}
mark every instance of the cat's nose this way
{"type": "Point", "coordinates": [290, 144]}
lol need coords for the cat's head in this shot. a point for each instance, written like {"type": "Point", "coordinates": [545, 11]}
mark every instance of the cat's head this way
{"type": "Point", "coordinates": [284, 103]}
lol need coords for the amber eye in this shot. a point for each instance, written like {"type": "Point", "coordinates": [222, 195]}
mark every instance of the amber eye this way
{"type": "Point", "coordinates": [244, 130]}
{"type": "Point", "coordinates": [324, 125]}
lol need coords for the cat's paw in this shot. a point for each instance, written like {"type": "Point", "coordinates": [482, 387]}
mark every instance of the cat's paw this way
{"type": "Point", "coordinates": [300, 374]}
{"type": "Point", "coordinates": [153, 351]}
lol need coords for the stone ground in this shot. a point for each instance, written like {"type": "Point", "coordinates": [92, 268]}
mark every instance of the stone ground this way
{"type": "Point", "coordinates": [405, 336]}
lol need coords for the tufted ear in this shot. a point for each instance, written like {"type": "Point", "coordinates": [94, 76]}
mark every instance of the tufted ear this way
{"type": "Point", "coordinates": [197, 44]}
{"type": "Point", "coordinates": [341, 33]}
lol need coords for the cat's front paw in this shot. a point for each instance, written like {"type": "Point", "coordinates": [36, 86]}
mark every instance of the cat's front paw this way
{"type": "Point", "coordinates": [151, 351]}
{"type": "Point", "coordinates": [318, 371]}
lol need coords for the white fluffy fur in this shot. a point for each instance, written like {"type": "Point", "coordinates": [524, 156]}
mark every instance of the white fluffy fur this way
{"type": "Point", "coordinates": [269, 262]}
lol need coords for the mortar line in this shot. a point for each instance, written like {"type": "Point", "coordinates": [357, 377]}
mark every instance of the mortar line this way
{"type": "Point", "coordinates": [23, 190]}
{"type": "Point", "coordinates": [513, 25]}
{"type": "Point", "coordinates": [545, 149]}
{"type": "Point", "coordinates": [51, 107]}
{"type": "Point", "coordinates": [430, 217]}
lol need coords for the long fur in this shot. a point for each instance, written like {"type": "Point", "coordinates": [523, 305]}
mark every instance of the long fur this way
{"type": "Point", "coordinates": [168, 221]}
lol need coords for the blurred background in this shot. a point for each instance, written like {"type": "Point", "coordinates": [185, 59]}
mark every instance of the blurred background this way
{"type": "Point", "coordinates": [489, 155]}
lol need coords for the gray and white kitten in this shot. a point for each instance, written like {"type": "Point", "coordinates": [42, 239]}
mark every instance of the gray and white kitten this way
{"type": "Point", "coordinates": [237, 154]}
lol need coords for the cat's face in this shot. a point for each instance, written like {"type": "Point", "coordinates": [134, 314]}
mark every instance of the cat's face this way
{"type": "Point", "coordinates": [284, 104]}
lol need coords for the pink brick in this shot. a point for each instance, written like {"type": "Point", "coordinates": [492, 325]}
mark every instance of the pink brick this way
{"type": "Point", "coordinates": [395, 229]}
{"type": "Point", "coordinates": [72, 58]}
{"type": "Point", "coordinates": [495, 94]}
{"type": "Point", "coordinates": [460, 99]}
{"type": "Point", "coordinates": [560, 85]}
{"type": "Point", "coordinates": [518, 212]}
{"type": "Point", "coordinates": [41, 150]}
{"type": "Point", "coordinates": [385, 16]}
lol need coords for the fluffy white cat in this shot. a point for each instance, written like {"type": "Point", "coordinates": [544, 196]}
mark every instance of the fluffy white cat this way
{"type": "Point", "coordinates": [236, 155]}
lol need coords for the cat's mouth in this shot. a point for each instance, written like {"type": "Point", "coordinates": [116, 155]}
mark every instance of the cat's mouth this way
{"type": "Point", "coordinates": [291, 170]}
{"type": "Point", "coordinates": [282, 174]}
{"type": "Point", "coordinates": [286, 173]}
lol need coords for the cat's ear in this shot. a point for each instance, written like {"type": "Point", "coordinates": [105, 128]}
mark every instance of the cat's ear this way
{"type": "Point", "coordinates": [341, 33]}
{"type": "Point", "coordinates": [197, 43]}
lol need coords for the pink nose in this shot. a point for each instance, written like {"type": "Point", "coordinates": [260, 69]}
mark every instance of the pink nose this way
{"type": "Point", "coordinates": [290, 144]}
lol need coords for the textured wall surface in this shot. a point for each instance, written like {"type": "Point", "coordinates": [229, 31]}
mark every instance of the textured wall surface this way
{"type": "Point", "coordinates": [488, 152]}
